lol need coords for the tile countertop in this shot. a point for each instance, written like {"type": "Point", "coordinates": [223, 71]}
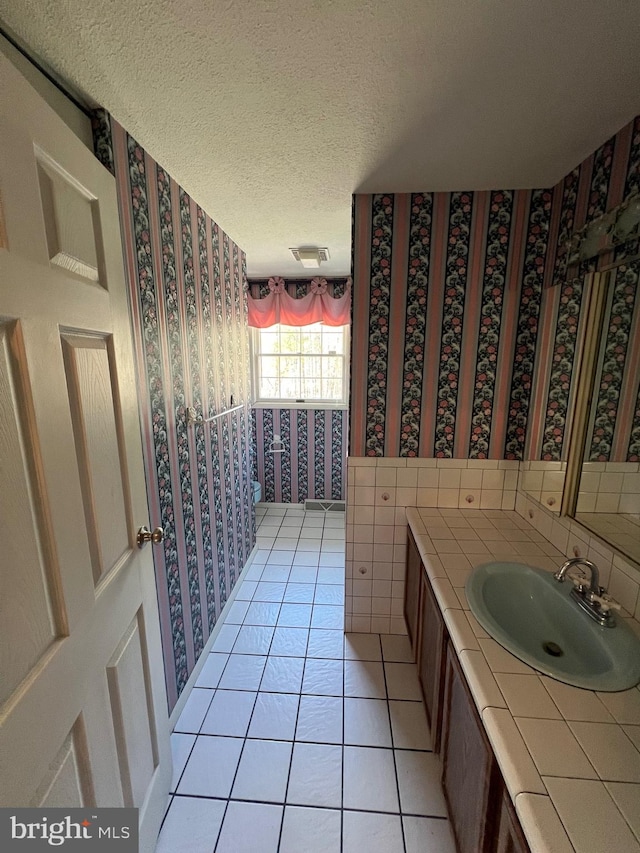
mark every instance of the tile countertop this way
{"type": "Point", "coordinates": [570, 757]}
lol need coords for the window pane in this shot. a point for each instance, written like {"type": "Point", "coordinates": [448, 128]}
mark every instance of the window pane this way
{"type": "Point", "coordinates": [270, 388]}
{"type": "Point", "coordinates": [332, 342]}
{"type": "Point", "coordinates": [311, 366]}
{"type": "Point", "coordinates": [290, 389]}
{"type": "Point", "coordinates": [332, 367]}
{"type": "Point", "coordinates": [289, 367]}
{"type": "Point", "coordinates": [289, 339]}
{"type": "Point", "coordinates": [269, 341]}
{"type": "Point", "coordinates": [311, 341]}
{"type": "Point", "coordinates": [269, 366]}
{"type": "Point", "coordinates": [332, 389]}
{"type": "Point", "coordinates": [311, 389]}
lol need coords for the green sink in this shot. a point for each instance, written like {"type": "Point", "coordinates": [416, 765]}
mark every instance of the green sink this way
{"type": "Point", "coordinates": [530, 613]}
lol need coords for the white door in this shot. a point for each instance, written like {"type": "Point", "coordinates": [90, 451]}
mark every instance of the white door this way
{"type": "Point", "coordinates": [83, 714]}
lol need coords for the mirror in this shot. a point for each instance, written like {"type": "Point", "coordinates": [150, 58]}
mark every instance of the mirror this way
{"type": "Point", "coordinates": [603, 483]}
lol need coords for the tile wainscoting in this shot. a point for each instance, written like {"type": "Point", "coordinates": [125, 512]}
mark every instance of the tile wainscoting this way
{"type": "Point", "coordinates": [379, 489]}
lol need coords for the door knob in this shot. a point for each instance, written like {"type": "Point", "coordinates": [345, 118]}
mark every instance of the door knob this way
{"type": "Point", "coordinates": [144, 536]}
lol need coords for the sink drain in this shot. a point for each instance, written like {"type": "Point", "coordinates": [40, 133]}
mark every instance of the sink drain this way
{"type": "Point", "coordinates": [552, 649]}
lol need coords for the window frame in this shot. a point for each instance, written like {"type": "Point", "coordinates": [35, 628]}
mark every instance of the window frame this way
{"type": "Point", "coordinates": [284, 403]}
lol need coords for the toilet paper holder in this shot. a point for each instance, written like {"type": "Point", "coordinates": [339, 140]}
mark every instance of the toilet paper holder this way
{"type": "Point", "coordinates": [277, 445]}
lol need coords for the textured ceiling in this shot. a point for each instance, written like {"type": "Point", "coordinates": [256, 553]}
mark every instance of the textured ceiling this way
{"type": "Point", "coordinates": [272, 113]}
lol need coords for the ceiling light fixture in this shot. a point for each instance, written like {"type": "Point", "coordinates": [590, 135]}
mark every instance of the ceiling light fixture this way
{"type": "Point", "coordinates": [310, 256]}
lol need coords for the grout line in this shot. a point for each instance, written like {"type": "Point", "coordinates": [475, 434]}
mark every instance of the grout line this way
{"type": "Point", "coordinates": [395, 764]}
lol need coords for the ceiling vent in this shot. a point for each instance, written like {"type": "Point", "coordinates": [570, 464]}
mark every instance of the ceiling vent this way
{"type": "Point", "coordinates": [310, 257]}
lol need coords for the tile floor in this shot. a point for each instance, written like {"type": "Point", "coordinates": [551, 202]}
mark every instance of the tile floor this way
{"type": "Point", "coordinates": [298, 738]}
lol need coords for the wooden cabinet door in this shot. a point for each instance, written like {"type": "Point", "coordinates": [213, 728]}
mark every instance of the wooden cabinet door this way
{"type": "Point", "coordinates": [470, 777]}
{"type": "Point", "coordinates": [431, 658]}
{"type": "Point", "coordinates": [412, 592]}
{"type": "Point", "coordinates": [510, 838]}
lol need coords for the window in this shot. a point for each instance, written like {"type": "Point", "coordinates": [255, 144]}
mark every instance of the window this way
{"type": "Point", "coordinates": [300, 364]}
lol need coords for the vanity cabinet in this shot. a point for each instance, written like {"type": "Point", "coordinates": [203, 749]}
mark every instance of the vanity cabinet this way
{"type": "Point", "coordinates": [470, 778]}
{"type": "Point", "coordinates": [415, 569]}
{"type": "Point", "coordinates": [482, 816]}
{"type": "Point", "coordinates": [432, 646]}
{"type": "Point", "coordinates": [509, 837]}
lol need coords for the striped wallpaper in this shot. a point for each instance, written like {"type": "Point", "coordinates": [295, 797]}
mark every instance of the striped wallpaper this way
{"type": "Point", "coordinates": [190, 332]}
{"type": "Point", "coordinates": [601, 182]}
{"type": "Point", "coordinates": [445, 307]}
{"type": "Point", "coordinates": [314, 462]}
{"type": "Point", "coordinates": [450, 291]}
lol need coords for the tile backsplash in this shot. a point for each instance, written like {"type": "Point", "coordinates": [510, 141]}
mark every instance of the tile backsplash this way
{"type": "Point", "coordinates": [378, 491]}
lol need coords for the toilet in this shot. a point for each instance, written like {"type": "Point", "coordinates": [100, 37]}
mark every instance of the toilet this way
{"type": "Point", "coordinates": [257, 491]}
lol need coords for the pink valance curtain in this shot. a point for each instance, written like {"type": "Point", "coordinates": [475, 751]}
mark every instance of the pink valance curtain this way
{"type": "Point", "coordinates": [316, 307]}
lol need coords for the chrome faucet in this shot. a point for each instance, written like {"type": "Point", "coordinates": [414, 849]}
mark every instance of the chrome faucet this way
{"type": "Point", "coordinates": [594, 581]}
{"type": "Point", "coordinates": [593, 599]}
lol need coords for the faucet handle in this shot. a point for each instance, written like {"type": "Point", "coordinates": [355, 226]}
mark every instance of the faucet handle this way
{"type": "Point", "coordinates": [606, 603]}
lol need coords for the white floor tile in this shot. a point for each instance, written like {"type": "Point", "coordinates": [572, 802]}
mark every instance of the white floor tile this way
{"type": "Point", "coordinates": [253, 640]}
{"type": "Point", "coordinates": [320, 719]}
{"type": "Point", "coordinates": [181, 745]}
{"type": "Point", "coordinates": [299, 593]}
{"type": "Point", "coordinates": [362, 647]}
{"type": "Point", "coordinates": [331, 556]}
{"type": "Point", "coordinates": [409, 725]}
{"type": "Point", "coordinates": [274, 716]}
{"type": "Point", "coordinates": [243, 672]}
{"type": "Point", "coordinates": [250, 827]}
{"type": "Point", "coordinates": [316, 775]}
{"type": "Point", "coordinates": [262, 613]}
{"type": "Point", "coordinates": [364, 679]}
{"type": "Point", "coordinates": [277, 572]}
{"type": "Point", "coordinates": [195, 710]}
{"type": "Point", "coordinates": [290, 642]}
{"type": "Point", "coordinates": [246, 590]}
{"type": "Point", "coordinates": [229, 713]}
{"type": "Point", "coordinates": [327, 593]}
{"type": "Point", "coordinates": [279, 558]}
{"type": "Point", "coordinates": [303, 574]}
{"type": "Point", "coordinates": [263, 771]}
{"type": "Point", "coordinates": [309, 545]}
{"type": "Point", "coordinates": [419, 783]}
{"type": "Point", "coordinates": [428, 835]}
{"type": "Point", "coordinates": [333, 575]}
{"type": "Point", "coordinates": [236, 613]}
{"type": "Point", "coordinates": [323, 677]}
{"type": "Point", "coordinates": [255, 569]}
{"type": "Point", "coordinates": [325, 643]}
{"type": "Point", "coordinates": [306, 558]}
{"type": "Point", "coordinates": [212, 670]}
{"type": "Point", "coordinates": [269, 591]}
{"type": "Point", "coordinates": [260, 556]}
{"type": "Point", "coordinates": [211, 767]}
{"type": "Point", "coordinates": [310, 830]}
{"type": "Point", "coordinates": [295, 615]}
{"type": "Point", "coordinates": [369, 779]}
{"type": "Point", "coordinates": [226, 638]}
{"type": "Point", "coordinates": [402, 681]}
{"type": "Point", "coordinates": [396, 648]}
{"type": "Point", "coordinates": [191, 826]}
{"type": "Point", "coordinates": [366, 722]}
{"type": "Point", "coordinates": [375, 833]}
{"type": "Point", "coordinates": [327, 616]}
{"type": "Point", "coordinates": [282, 674]}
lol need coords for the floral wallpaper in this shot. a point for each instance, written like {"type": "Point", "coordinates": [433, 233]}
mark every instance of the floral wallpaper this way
{"type": "Point", "coordinates": [186, 285]}
{"type": "Point", "coordinates": [315, 440]}
{"type": "Point", "coordinates": [466, 318]}
{"type": "Point", "coordinates": [600, 183]}
{"type": "Point", "coordinates": [446, 297]}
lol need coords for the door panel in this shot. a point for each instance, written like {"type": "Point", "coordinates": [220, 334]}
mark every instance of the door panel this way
{"type": "Point", "coordinates": [100, 456]}
{"type": "Point", "coordinates": [81, 642]}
